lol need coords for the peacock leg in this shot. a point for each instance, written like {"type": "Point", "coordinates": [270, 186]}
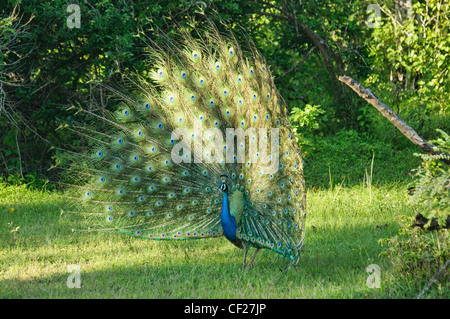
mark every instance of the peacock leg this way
{"type": "Point", "coordinates": [250, 265]}
{"type": "Point", "coordinates": [245, 255]}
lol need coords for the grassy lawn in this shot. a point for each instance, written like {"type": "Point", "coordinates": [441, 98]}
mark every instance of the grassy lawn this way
{"type": "Point", "coordinates": [344, 225]}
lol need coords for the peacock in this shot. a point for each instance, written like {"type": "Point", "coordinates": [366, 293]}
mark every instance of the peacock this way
{"type": "Point", "coordinates": [198, 147]}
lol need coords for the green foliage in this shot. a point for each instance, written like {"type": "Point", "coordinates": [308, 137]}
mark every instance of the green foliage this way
{"type": "Point", "coordinates": [305, 123]}
{"type": "Point", "coordinates": [415, 256]}
{"type": "Point", "coordinates": [411, 54]}
{"type": "Point", "coordinates": [432, 187]}
{"type": "Point", "coordinates": [348, 154]}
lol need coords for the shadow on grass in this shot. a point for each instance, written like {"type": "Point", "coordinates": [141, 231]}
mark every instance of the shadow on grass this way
{"type": "Point", "coordinates": [333, 264]}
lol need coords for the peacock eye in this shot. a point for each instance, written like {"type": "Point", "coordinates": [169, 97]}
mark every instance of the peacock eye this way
{"type": "Point", "coordinates": [195, 54]}
{"type": "Point", "coordinates": [183, 74]}
{"type": "Point", "coordinates": [217, 66]}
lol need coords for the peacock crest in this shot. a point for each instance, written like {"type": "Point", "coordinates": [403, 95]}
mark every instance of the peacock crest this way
{"type": "Point", "coordinates": [200, 147]}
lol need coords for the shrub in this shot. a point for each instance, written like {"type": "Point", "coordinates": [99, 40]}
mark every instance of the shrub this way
{"type": "Point", "coordinates": [432, 186]}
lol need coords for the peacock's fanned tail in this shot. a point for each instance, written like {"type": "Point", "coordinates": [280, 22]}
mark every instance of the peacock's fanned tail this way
{"type": "Point", "coordinates": [152, 168]}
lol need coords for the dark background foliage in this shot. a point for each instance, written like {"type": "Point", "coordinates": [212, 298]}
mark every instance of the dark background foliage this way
{"type": "Point", "coordinates": [47, 67]}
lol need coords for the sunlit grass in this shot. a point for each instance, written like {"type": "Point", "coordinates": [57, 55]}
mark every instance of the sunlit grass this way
{"type": "Point", "coordinates": [343, 227]}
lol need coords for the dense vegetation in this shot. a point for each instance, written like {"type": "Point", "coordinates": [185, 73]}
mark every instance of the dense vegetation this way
{"type": "Point", "coordinates": [400, 49]}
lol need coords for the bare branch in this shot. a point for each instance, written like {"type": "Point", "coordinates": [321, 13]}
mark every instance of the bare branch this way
{"type": "Point", "coordinates": [388, 113]}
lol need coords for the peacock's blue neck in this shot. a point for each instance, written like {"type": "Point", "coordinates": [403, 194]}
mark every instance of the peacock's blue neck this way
{"type": "Point", "coordinates": [228, 221]}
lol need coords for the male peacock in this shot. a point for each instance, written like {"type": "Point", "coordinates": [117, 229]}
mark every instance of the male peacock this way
{"type": "Point", "coordinates": [171, 162]}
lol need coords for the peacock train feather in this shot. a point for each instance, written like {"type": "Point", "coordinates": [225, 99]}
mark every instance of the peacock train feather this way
{"type": "Point", "coordinates": [199, 148]}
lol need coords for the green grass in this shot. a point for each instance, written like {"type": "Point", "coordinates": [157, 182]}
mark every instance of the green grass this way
{"type": "Point", "coordinates": [344, 225]}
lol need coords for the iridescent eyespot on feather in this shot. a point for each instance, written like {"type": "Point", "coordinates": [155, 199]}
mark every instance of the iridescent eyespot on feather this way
{"type": "Point", "coordinates": [268, 96]}
{"type": "Point", "coordinates": [192, 97]}
{"type": "Point", "coordinates": [137, 233]}
{"type": "Point", "coordinates": [263, 68]}
{"type": "Point", "coordinates": [201, 81]}
{"type": "Point", "coordinates": [211, 102]}
{"type": "Point", "coordinates": [131, 213]}
{"type": "Point", "coordinates": [230, 51]}
{"type": "Point", "coordinates": [254, 96]}
{"type": "Point", "coordinates": [239, 79]}
{"type": "Point", "coordinates": [102, 179]}
{"type": "Point", "coordinates": [217, 66]}
{"type": "Point", "coordinates": [183, 74]}
{"type": "Point", "coordinates": [171, 98]}
{"type": "Point", "coordinates": [109, 219]}
{"type": "Point", "coordinates": [99, 153]}
{"type": "Point", "coordinates": [160, 73]}
{"type": "Point", "coordinates": [225, 92]}
{"type": "Point", "coordinates": [195, 54]}
{"type": "Point", "coordinates": [240, 101]}
{"type": "Point", "coordinates": [251, 71]}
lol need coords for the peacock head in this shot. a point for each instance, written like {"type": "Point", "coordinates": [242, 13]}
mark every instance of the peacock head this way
{"type": "Point", "coordinates": [223, 187]}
